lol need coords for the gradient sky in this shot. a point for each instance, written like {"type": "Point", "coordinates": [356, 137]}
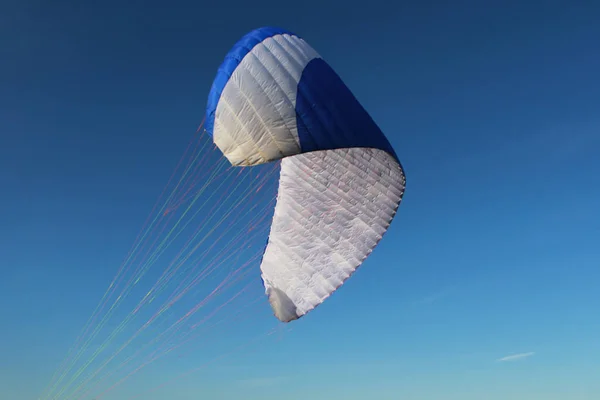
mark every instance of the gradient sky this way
{"type": "Point", "coordinates": [492, 107]}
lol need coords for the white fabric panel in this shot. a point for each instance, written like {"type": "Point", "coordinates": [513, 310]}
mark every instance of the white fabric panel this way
{"type": "Point", "coordinates": [332, 209]}
{"type": "Point", "coordinates": [255, 119]}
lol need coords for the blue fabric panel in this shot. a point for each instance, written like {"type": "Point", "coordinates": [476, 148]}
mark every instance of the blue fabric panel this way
{"type": "Point", "coordinates": [232, 60]}
{"type": "Point", "coordinates": [330, 117]}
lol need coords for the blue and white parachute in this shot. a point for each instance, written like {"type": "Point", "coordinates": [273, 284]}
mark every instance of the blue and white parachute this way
{"type": "Point", "coordinates": [274, 98]}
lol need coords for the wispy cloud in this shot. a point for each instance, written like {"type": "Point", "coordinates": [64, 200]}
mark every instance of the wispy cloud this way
{"type": "Point", "coordinates": [515, 357]}
{"type": "Point", "coordinates": [263, 382]}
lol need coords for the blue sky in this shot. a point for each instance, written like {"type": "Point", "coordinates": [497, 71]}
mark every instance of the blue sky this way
{"type": "Point", "coordinates": [492, 108]}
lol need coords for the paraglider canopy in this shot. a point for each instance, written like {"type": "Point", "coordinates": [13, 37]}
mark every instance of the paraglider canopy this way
{"type": "Point", "coordinates": [341, 182]}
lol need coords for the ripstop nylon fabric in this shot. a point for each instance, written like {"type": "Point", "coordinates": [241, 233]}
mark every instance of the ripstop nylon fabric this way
{"type": "Point", "coordinates": [274, 98]}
